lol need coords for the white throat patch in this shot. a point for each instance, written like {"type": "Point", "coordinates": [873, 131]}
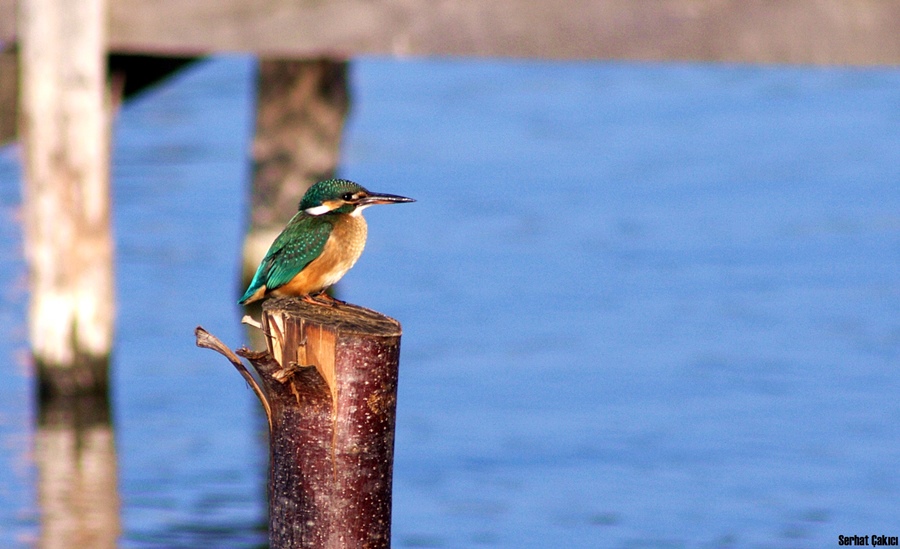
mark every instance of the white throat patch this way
{"type": "Point", "coordinates": [357, 212]}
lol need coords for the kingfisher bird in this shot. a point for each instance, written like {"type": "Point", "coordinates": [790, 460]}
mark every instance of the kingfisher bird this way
{"type": "Point", "coordinates": [319, 244]}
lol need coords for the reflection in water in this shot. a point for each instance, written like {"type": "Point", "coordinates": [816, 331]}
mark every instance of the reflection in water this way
{"type": "Point", "coordinates": [76, 460]}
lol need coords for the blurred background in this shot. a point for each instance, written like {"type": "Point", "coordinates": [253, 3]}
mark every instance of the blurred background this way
{"type": "Point", "coordinates": [644, 304]}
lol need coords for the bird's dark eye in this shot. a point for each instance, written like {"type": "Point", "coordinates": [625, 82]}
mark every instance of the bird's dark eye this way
{"type": "Point", "coordinates": [348, 197]}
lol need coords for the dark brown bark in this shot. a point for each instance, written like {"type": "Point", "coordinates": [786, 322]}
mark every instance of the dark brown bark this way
{"type": "Point", "coordinates": [329, 382]}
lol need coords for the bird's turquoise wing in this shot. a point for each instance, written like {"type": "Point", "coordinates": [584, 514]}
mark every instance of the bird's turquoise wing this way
{"type": "Point", "coordinates": [298, 244]}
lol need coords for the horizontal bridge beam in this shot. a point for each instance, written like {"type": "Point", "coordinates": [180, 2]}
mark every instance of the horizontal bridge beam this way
{"type": "Point", "coordinates": [850, 32]}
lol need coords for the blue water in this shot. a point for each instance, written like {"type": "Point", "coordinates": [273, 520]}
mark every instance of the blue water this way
{"type": "Point", "coordinates": [643, 305]}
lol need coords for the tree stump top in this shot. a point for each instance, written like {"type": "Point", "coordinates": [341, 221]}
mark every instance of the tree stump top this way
{"type": "Point", "coordinates": [340, 317]}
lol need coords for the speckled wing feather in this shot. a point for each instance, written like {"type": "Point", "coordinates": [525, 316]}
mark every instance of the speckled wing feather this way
{"type": "Point", "coordinates": [298, 244]}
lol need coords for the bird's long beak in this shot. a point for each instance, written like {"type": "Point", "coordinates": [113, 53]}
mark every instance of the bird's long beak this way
{"type": "Point", "coordinates": [383, 199]}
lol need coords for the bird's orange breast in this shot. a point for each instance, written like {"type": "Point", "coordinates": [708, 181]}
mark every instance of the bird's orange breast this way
{"type": "Point", "coordinates": [344, 246]}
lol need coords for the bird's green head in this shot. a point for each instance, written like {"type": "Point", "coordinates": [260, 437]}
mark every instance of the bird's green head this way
{"type": "Point", "coordinates": [343, 196]}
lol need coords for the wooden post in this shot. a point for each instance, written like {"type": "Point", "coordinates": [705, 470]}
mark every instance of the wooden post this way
{"type": "Point", "coordinates": [329, 388]}
{"type": "Point", "coordinates": [9, 93]}
{"type": "Point", "coordinates": [300, 111]}
{"type": "Point", "coordinates": [65, 130]}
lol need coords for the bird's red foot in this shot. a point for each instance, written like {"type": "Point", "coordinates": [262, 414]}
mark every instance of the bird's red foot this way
{"type": "Point", "coordinates": [315, 300]}
{"type": "Point", "coordinates": [323, 299]}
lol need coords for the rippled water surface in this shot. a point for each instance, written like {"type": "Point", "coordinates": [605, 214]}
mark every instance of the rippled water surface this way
{"type": "Point", "coordinates": [643, 305]}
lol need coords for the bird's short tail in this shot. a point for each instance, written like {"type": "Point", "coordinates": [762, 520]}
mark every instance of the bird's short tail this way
{"type": "Point", "coordinates": [253, 293]}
